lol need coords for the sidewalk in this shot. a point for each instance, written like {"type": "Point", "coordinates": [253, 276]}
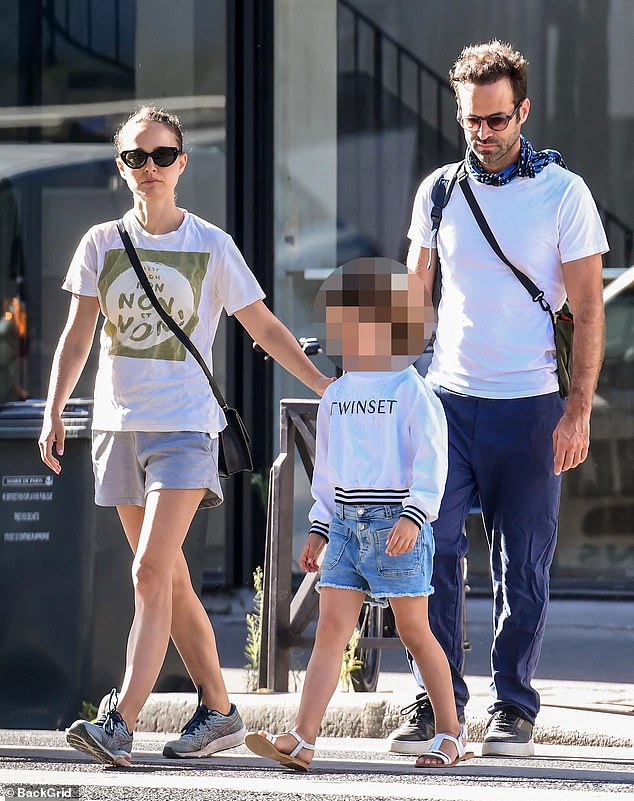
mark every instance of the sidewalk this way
{"type": "Point", "coordinates": [573, 713]}
{"type": "Point", "coordinates": [593, 640]}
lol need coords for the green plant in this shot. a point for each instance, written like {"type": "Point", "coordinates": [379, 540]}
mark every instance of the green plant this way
{"type": "Point", "coordinates": [260, 485]}
{"type": "Point", "coordinates": [88, 711]}
{"type": "Point", "coordinates": [350, 661]}
{"type": "Point", "coordinates": [254, 632]}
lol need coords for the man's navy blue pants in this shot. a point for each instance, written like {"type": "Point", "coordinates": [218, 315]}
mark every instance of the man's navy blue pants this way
{"type": "Point", "coordinates": [501, 451]}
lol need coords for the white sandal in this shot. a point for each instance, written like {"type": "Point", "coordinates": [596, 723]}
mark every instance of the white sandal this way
{"type": "Point", "coordinates": [263, 744]}
{"type": "Point", "coordinates": [434, 750]}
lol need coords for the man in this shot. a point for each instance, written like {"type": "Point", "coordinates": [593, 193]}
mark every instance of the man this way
{"type": "Point", "coordinates": [511, 434]}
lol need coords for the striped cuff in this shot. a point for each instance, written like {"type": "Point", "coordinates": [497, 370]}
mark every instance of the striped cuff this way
{"type": "Point", "coordinates": [414, 514]}
{"type": "Point", "coordinates": [317, 527]}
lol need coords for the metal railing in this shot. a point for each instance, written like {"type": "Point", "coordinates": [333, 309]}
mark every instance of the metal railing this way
{"type": "Point", "coordinates": [66, 24]}
{"type": "Point", "coordinates": [395, 70]}
{"type": "Point", "coordinates": [620, 236]}
{"type": "Point", "coordinates": [285, 617]}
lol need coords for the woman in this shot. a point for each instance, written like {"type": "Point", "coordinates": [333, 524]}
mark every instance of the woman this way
{"type": "Point", "coordinates": [156, 421]}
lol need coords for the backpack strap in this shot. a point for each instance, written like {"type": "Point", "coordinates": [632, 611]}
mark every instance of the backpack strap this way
{"type": "Point", "coordinates": [440, 194]}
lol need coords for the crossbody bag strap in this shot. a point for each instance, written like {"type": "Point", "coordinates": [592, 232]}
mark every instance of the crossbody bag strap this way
{"type": "Point", "coordinates": [169, 321]}
{"type": "Point", "coordinates": [536, 294]}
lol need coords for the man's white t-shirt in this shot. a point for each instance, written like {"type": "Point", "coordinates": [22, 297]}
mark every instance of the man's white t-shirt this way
{"type": "Point", "coordinates": [492, 340]}
{"type": "Point", "coordinates": [146, 380]}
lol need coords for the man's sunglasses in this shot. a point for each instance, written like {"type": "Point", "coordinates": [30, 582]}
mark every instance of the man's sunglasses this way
{"type": "Point", "coordinates": [162, 157]}
{"type": "Point", "coordinates": [496, 122]}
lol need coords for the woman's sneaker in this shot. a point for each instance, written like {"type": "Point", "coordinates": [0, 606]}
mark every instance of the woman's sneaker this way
{"type": "Point", "coordinates": [206, 733]}
{"type": "Point", "coordinates": [107, 739]}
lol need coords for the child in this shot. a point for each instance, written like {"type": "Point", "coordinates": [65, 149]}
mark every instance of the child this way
{"type": "Point", "coordinates": [380, 469]}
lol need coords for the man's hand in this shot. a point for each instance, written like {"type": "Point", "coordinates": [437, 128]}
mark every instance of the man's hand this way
{"type": "Point", "coordinates": [402, 537]}
{"type": "Point", "coordinates": [315, 544]}
{"type": "Point", "coordinates": [571, 440]}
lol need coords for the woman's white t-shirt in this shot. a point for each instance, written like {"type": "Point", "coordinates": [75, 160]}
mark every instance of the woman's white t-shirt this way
{"type": "Point", "coordinates": [146, 380]}
{"type": "Point", "coordinates": [492, 340]}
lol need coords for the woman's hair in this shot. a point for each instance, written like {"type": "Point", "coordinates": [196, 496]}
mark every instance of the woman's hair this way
{"type": "Point", "coordinates": [151, 114]}
{"type": "Point", "coordinates": [487, 63]}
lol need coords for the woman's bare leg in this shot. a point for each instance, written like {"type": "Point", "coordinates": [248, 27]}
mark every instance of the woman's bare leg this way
{"type": "Point", "coordinates": [191, 629]}
{"type": "Point", "coordinates": [167, 517]}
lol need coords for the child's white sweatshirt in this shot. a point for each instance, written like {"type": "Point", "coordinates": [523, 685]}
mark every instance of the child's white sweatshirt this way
{"type": "Point", "coordinates": [381, 439]}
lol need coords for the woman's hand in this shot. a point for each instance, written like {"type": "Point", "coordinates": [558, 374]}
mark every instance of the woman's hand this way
{"type": "Point", "coordinates": [321, 384]}
{"type": "Point", "coordinates": [53, 433]}
{"type": "Point", "coordinates": [68, 362]}
{"type": "Point", "coordinates": [402, 537]}
{"type": "Point", "coordinates": [276, 340]}
{"type": "Point", "coordinates": [315, 544]}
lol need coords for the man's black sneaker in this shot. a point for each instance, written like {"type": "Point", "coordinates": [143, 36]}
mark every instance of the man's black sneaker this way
{"type": "Point", "coordinates": [418, 733]}
{"type": "Point", "coordinates": [508, 734]}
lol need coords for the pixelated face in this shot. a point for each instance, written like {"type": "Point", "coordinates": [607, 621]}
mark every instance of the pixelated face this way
{"type": "Point", "coordinates": [372, 316]}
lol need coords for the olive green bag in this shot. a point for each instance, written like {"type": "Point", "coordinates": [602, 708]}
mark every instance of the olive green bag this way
{"type": "Point", "coordinates": [564, 329]}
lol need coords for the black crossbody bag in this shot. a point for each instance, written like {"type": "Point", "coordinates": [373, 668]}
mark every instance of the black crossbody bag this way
{"type": "Point", "coordinates": [562, 320]}
{"type": "Point", "coordinates": [234, 454]}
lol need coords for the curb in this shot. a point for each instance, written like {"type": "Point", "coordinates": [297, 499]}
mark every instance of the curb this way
{"type": "Point", "coordinates": [373, 715]}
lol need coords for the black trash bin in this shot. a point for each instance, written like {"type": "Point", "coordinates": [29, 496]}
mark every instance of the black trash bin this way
{"type": "Point", "coordinates": [66, 600]}
{"type": "Point", "coordinates": [46, 563]}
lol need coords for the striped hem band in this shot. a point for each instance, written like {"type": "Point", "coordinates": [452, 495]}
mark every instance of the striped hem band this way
{"type": "Point", "coordinates": [370, 497]}
{"type": "Point", "coordinates": [317, 527]}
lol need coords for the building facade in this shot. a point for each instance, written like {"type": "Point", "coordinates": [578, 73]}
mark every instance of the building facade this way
{"type": "Point", "coordinates": [310, 123]}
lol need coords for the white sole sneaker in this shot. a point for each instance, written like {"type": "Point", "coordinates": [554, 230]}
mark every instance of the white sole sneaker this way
{"type": "Point", "coordinates": [78, 737]}
{"type": "Point", "coordinates": [502, 749]}
{"type": "Point", "coordinates": [220, 744]}
{"type": "Point", "coordinates": [410, 747]}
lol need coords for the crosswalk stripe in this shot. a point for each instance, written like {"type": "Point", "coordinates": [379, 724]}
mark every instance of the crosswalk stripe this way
{"type": "Point", "coordinates": [492, 789]}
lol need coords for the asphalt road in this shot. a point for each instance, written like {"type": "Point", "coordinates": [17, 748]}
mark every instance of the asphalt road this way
{"type": "Point", "coordinates": [354, 770]}
{"type": "Point", "coordinates": [585, 640]}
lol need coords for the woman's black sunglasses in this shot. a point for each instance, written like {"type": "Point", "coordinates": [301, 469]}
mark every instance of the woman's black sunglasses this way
{"type": "Point", "coordinates": [162, 157]}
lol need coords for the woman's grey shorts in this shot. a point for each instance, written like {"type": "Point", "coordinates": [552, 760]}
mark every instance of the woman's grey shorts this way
{"type": "Point", "coordinates": [129, 464]}
{"type": "Point", "coordinates": [355, 557]}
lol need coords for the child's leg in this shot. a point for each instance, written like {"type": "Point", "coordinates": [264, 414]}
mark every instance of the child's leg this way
{"type": "Point", "coordinates": [412, 623]}
{"type": "Point", "coordinates": [338, 614]}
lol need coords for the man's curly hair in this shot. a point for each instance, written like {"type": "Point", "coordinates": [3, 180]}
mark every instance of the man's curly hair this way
{"type": "Point", "coordinates": [487, 63]}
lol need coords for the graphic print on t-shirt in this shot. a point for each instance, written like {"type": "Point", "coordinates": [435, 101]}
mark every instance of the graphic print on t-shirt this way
{"type": "Point", "coordinates": [133, 326]}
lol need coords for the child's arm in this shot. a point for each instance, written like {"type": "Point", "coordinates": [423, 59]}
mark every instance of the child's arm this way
{"type": "Point", "coordinates": [402, 537]}
{"type": "Point", "coordinates": [315, 544]}
{"type": "Point", "coordinates": [428, 438]}
{"type": "Point", "coordinates": [323, 509]}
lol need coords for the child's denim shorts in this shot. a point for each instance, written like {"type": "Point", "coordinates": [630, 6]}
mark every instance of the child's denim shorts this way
{"type": "Point", "coordinates": [355, 557]}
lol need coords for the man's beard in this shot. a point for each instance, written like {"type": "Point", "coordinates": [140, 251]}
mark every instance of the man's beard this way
{"type": "Point", "coordinates": [491, 157]}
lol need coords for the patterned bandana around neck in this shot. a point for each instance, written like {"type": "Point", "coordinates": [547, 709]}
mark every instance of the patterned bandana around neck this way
{"type": "Point", "coordinates": [529, 164]}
